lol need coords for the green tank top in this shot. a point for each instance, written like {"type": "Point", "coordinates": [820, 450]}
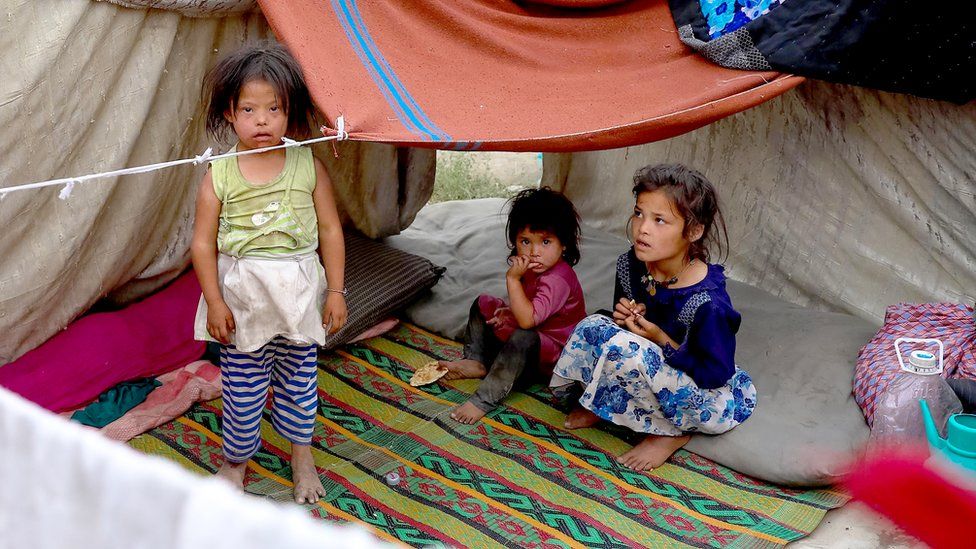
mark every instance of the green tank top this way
{"type": "Point", "coordinates": [276, 219]}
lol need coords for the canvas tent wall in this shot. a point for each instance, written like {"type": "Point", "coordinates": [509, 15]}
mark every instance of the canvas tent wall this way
{"type": "Point", "coordinates": [97, 86]}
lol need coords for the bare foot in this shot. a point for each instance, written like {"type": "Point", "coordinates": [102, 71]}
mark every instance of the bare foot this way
{"type": "Point", "coordinates": [308, 486]}
{"type": "Point", "coordinates": [233, 473]}
{"type": "Point", "coordinates": [652, 452]}
{"type": "Point", "coordinates": [580, 418]}
{"type": "Point", "coordinates": [463, 369]}
{"type": "Point", "coordinates": [467, 413]}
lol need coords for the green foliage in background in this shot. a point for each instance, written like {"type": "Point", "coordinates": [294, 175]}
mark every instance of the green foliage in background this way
{"type": "Point", "coordinates": [457, 179]}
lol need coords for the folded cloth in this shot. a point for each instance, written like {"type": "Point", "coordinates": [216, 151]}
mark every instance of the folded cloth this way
{"type": "Point", "coordinates": [877, 363]}
{"type": "Point", "coordinates": [115, 402]}
{"type": "Point", "coordinates": [377, 329]}
{"type": "Point", "coordinates": [195, 382]}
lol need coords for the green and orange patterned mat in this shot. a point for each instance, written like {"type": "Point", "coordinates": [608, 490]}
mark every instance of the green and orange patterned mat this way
{"type": "Point", "coordinates": [514, 478]}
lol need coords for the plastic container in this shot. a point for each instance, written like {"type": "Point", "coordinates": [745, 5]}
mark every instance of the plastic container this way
{"type": "Point", "coordinates": [959, 445]}
{"type": "Point", "coordinates": [897, 417]}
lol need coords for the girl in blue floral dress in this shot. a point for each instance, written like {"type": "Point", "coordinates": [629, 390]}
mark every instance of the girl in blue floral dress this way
{"type": "Point", "coordinates": [664, 364]}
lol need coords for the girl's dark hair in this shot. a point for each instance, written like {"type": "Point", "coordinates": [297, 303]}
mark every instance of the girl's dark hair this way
{"type": "Point", "coordinates": [696, 200]}
{"type": "Point", "coordinates": [273, 64]}
{"type": "Point", "coordinates": [544, 209]}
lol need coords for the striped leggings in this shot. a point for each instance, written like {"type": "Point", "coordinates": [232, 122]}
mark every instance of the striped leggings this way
{"type": "Point", "coordinates": [292, 371]}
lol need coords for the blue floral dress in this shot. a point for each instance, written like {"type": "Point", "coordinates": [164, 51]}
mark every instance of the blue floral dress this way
{"type": "Point", "coordinates": [630, 381]}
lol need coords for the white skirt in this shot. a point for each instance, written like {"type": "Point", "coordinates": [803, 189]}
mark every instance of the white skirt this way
{"type": "Point", "coordinates": [268, 298]}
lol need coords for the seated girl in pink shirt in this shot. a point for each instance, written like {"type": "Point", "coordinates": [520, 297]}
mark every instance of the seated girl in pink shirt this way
{"type": "Point", "coordinates": [509, 342]}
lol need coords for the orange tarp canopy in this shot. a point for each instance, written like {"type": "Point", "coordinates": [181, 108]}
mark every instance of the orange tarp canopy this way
{"type": "Point", "coordinates": [500, 75]}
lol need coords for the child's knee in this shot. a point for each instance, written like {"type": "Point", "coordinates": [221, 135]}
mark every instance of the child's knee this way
{"type": "Point", "coordinates": [524, 338]}
{"type": "Point", "coordinates": [485, 305]}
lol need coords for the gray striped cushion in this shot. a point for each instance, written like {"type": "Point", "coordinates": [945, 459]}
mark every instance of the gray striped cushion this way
{"type": "Point", "coordinates": [381, 280]}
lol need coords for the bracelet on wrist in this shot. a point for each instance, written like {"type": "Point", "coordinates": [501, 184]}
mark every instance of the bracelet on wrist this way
{"type": "Point", "coordinates": [344, 291]}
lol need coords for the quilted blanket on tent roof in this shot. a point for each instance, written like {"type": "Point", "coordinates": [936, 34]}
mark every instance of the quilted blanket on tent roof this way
{"type": "Point", "coordinates": [909, 47]}
{"type": "Point", "coordinates": [505, 75]}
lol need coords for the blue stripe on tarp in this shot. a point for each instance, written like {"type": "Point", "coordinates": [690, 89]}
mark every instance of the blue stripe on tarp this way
{"type": "Point", "coordinates": [439, 133]}
{"type": "Point", "coordinates": [465, 145]}
{"type": "Point", "coordinates": [407, 110]}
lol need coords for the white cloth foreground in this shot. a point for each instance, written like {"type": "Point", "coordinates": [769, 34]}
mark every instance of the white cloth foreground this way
{"type": "Point", "coordinates": [65, 486]}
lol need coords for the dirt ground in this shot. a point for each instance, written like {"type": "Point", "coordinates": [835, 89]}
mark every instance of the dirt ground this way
{"type": "Point", "coordinates": [856, 527]}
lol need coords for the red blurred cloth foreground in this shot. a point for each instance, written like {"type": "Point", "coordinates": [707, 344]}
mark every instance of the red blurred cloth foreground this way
{"type": "Point", "coordinates": [101, 350]}
{"type": "Point", "coordinates": [937, 507]}
{"type": "Point", "coordinates": [507, 75]}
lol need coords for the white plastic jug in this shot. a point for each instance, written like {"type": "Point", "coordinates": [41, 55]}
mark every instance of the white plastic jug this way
{"type": "Point", "coordinates": [897, 416]}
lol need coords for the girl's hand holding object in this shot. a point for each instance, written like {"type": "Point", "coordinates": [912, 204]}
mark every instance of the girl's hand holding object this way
{"type": "Point", "coordinates": [502, 315]}
{"type": "Point", "coordinates": [627, 308]}
{"type": "Point", "coordinates": [644, 328]}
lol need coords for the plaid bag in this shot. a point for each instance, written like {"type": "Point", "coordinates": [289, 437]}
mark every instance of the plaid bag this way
{"type": "Point", "coordinates": [877, 363]}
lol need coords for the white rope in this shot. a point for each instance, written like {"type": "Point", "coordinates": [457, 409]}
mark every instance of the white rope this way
{"type": "Point", "coordinates": [205, 156]}
{"type": "Point", "coordinates": [66, 191]}
{"type": "Point", "coordinates": [70, 182]}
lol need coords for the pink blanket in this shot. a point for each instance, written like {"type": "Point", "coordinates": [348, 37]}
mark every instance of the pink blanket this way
{"type": "Point", "coordinates": [195, 382]}
{"type": "Point", "coordinates": [98, 351]}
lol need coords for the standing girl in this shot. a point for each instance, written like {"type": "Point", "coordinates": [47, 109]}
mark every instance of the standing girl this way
{"type": "Point", "coordinates": [521, 339]}
{"type": "Point", "coordinates": [260, 219]}
{"type": "Point", "coordinates": [665, 364]}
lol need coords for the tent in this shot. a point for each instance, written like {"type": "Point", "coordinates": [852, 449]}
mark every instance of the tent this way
{"type": "Point", "coordinates": [907, 156]}
{"type": "Point", "coordinates": [846, 198]}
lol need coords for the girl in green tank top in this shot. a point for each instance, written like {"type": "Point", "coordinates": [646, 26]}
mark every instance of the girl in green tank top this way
{"type": "Point", "coordinates": [266, 224]}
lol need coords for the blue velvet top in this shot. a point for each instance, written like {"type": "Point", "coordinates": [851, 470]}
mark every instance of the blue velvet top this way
{"type": "Point", "coordinates": [700, 317]}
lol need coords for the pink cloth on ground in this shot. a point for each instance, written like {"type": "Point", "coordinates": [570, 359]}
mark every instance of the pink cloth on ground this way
{"type": "Point", "coordinates": [377, 329]}
{"type": "Point", "coordinates": [195, 382]}
{"type": "Point", "coordinates": [101, 350]}
{"type": "Point", "coordinates": [557, 307]}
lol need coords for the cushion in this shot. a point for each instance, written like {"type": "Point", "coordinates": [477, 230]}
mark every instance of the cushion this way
{"type": "Point", "coordinates": [381, 280]}
{"type": "Point", "coordinates": [806, 425]}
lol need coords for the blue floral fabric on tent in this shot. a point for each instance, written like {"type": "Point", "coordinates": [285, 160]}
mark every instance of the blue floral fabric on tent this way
{"type": "Point", "coordinates": [725, 16]}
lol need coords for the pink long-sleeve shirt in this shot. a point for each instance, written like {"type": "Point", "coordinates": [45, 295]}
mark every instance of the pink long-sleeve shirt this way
{"type": "Point", "coordinates": [557, 306]}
